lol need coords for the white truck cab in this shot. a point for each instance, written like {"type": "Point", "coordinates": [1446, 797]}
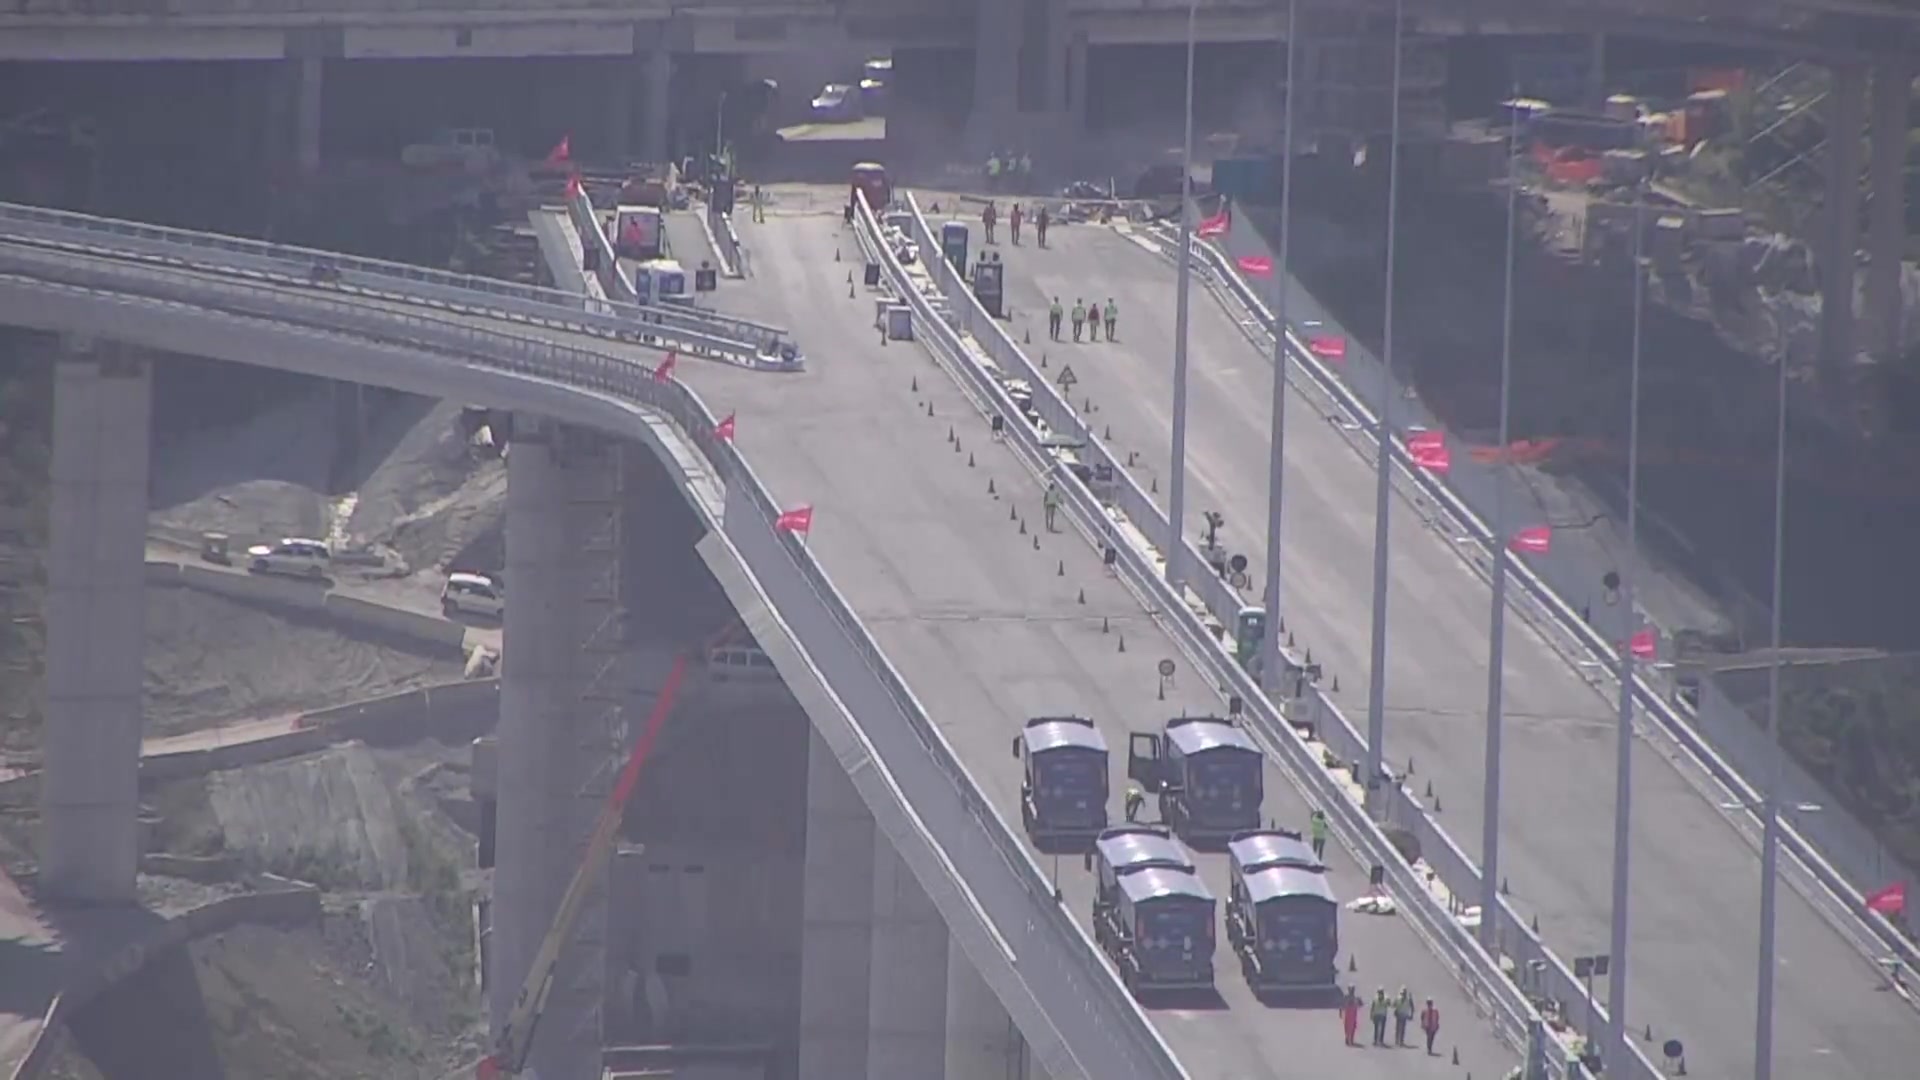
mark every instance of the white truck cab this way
{"type": "Point", "coordinates": [661, 281]}
{"type": "Point", "coordinates": [292, 555]}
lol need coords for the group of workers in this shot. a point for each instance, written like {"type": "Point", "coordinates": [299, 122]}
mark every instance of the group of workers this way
{"type": "Point", "coordinates": [1087, 319]}
{"type": "Point", "coordinates": [1399, 1009]}
{"type": "Point", "coordinates": [1009, 172]}
{"type": "Point", "coordinates": [990, 218]}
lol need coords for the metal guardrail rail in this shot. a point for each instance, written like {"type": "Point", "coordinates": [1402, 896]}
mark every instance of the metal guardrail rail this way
{"type": "Point", "coordinates": [1539, 974]}
{"type": "Point", "coordinates": [1461, 496]}
{"type": "Point", "coordinates": [707, 332]}
{"type": "Point", "coordinates": [1079, 1019]}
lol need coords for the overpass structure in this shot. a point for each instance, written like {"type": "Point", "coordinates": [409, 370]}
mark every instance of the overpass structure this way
{"type": "Point", "coordinates": [927, 925]}
{"type": "Point", "coordinates": [929, 796]}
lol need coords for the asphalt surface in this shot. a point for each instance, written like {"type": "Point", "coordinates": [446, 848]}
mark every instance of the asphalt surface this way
{"type": "Point", "coordinates": [989, 631]}
{"type": "Point", "coordinates": [1694, 904]}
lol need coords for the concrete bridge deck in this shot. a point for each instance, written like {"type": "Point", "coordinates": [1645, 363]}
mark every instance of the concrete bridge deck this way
{"type": "Point", "coordinates": [988, 631]}
{"type": "Point", "coordinates": [1695, 879]}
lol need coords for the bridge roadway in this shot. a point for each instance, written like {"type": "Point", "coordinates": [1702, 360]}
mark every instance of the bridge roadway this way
{"type": "Point", "coordinates": [940, 575]}
{"type": "Point", "coordinates": [988, 632]}
{"type": "Point", "coordinates": [1694, 909]}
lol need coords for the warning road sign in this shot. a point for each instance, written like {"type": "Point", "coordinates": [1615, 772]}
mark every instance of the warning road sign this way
{"type": "Point", "coordinates": [1066, 380]}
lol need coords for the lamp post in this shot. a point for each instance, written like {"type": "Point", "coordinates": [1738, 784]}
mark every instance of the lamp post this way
{"type": "Point", "coordinates": [1277, 453]}
{"type": "Point", "coordinates": [1177, 494]}
{"type": "Point", "coordinates": [1502, 533]}
{"type": "Point", "coordinates": [1383, 458]}
{"type": "Point", "coordinates": [1623, 735]}
{"type": "Point", "coordinates": [1770, 797]}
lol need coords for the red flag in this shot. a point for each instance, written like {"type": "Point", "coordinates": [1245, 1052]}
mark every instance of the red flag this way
{"type": "Point", "coordinates": [1425, 442]}
{"type": "Point", "coordinates": [1328, 346]}
{"type": "Point", "coordinates": [1256, 265]}
{"type": "Point", "coordinates": [1217, 225]}
{"type": "Point", "coordinates": [1891, 900]}
{"type": "Point", "coordinates": [562, 151]}
{"type": "Point", "coordinates": [1644, 645]}
{"type": "Point", "coordinates": [724, 429]}
{"type": "Point", "coordinates": [573, 186]}
{"type": "Point", "coordinates": [1436, 460]}
{"type": "Point", "coordinates": [1533, 540]}
{"type": "Point", "coordinates": [798, 520]}
{"type": "Point", "coordinates": [664, 373]}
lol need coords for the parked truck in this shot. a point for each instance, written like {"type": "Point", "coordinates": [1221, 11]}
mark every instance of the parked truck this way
{"type": "Point", "coordinates": [1063, 792]}
{"type": "Point", "coordinates": [1283, 919]}
{"type": "Point", "coordinates": [1207, 773]}
{"type": "Point", "coordinates": [1156, 921]}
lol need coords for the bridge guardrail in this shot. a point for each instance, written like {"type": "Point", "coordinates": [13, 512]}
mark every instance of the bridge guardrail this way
{"type": "Point", "coordinates": [1468, 493]}
{"type": "Point", "coordinates": [587, 219]}
{"type": "Point", "coordinates": [1101, 1028]}
{"type": "Point", "coordinates": [703, 330]}
{"type": "Point", "coordinates": [1508, 1002]}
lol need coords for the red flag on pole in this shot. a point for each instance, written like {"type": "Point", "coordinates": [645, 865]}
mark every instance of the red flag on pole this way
{"type": "Point", "coordinates": [1644, 645]}
{"type": "Point", "coordinates": [1533, 540]}
{"type": "Point", "coordinates": [1891, 900]}
{"type": "Point", "coordinates": [1256, 265]}
{"type": "Point", "coordinates": [724, 429]}
{"type": "Point", "coordinates": [1437, 460]}
{"type": "Point", "coordinates": [1217, 225]}
{"type": "Point", "coordinates": [798, 520]}
{"type": "Point", "coordinates": [1426, 442]}
{"type": "Point", "coordinates": [1328, 346]}
{"type": "Point", "coordinates": [664, 373]}
{"type": "Point", "coordinates": [573, 186]}
{"type": "Point", "coordinates": [562, 151]}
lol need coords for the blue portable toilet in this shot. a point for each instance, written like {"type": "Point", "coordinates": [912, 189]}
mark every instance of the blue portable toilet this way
{"type": "Point", "coordinates": [953, 244]}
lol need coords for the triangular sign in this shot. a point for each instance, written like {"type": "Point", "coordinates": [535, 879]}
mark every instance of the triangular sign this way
{"type": "Point", "coordinates": [1067, 378]}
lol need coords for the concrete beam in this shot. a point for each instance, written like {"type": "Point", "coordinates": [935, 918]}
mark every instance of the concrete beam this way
{"type": "Point", "coordinates": [1887, 224]}
{"type": "Point", "coordinates": [836, 921]}
{"type": "Point", "coordinates": [96, 624]}
{"type": "Point", "coordinates": [1840, 245]}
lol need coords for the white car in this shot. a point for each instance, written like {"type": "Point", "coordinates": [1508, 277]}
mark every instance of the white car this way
{"type": "Point", "coordinates": [293, 556]}
{"type": "Point", "coordinates": [474, 594]}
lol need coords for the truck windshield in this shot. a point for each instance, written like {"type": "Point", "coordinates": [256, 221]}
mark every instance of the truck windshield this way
{"type": "Point", "coordinates": [1225, 783]}
{"type": "Point", "coordinates": [1072, 776]}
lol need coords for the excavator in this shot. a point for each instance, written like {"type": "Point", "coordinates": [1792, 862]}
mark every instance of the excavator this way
{"type": "Point", "coordinates": [508, 1060]}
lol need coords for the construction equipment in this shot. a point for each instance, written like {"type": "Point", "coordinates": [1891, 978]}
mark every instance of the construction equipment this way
{"type": "Point", "coordinates": [515, 1041]}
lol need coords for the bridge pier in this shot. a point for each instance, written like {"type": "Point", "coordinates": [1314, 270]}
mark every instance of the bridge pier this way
{"type": "Point", "coordinates": [95, 623]}
{"type": "Point", "coordinates": [659, 84]}
{"type": "Point", "coordinates": [1025, 76]}
{"type": "Point", "coordinates": [982, 1041]}
{"type": "Point", "coordinates": [907, 1004]}
{"type": "Point", "coordinates": [561, 698]}
{"type": "Point", "coordinates": [1887, 224]}
{"type": "Point", "coordinates": [836, 915]}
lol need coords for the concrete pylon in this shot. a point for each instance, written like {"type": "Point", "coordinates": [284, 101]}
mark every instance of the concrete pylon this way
{"type": "Point", "coordinates": [1887, 227]}
{"type": "Point", "coordinates": [907, 1004]}
{"type": "Point", "coordinates": [95, 624]}
{"type": "Point", "coordinates": [1839, 250]}
{"type": "Point", "coordinates": [836, 920]}
{"type": "Point", "coordinates": [309, 87]}
{"type": "Point", "coordinates": [555, 746]}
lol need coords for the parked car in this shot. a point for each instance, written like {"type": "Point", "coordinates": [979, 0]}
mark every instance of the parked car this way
{"type": "Point", "coordinates": [293, 556]}
{"type": "Point", "coordinates": [474, 594]}
{"type": "Point", "coordinates": [837, 101]}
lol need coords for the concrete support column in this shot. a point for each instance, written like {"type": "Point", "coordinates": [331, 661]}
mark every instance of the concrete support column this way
{"type": "Point", "coordinates": [623, 87]}
{"type": "Point", "coordinates": [95, 624]}
{"type": "Point", "coordinates": [1078, 55]}
{"type": "Point", "coordinates": [308, 87]}
{"type": "Point", "coordinates": [907, 1008]}
{"type": "Point", "coordinates": [1887, 227]}
{"type": "Point", "coordinates": [557, 702]}
{"type": "Point", "coordinates": [1597, 71]}
{"type": "Point", "coordinates": [996, 73]}
{"type": "Point", "coordinates": [1838, 252]}
{"type": "Point", "coordinates": [659, 113]}
{"type": "Point", "coordinates": [982, 1043]}
{"type": "Point", "coordinates": [836, 920]}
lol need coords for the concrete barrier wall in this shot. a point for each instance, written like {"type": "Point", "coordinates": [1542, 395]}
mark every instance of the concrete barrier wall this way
{"type": "Point", "coordinates": [428, 628]}
{"type": "Point", "coordinates": [163, 573]}
{"type": "Point", "coordinates": [257, 588]}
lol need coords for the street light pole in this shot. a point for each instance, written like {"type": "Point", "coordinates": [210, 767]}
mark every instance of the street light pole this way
{"type": "Point", "coordinates": [1770, 798]}
{"type": "Point", "coordinates": [1502, 536]}
{"type": "Point", "coordinates": [1383, 457]}
{"type": "Point", "coordinates": [1177, 495]}
{"type": "Point", "coordinates": [1277, 452]}
{"type": "Point", "coordinates": [1623, 735]}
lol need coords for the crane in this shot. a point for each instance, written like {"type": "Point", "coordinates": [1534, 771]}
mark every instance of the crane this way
{"type": "Point", "coordinates": [515, 1041]}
